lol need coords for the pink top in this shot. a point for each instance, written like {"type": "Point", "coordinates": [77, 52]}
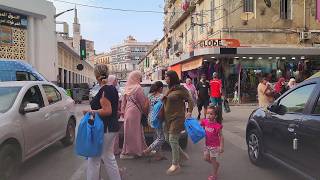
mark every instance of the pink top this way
{"type": "Point", "coordinates": [213, 130]}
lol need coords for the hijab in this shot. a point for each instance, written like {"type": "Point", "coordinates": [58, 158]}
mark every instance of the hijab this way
{"type": "Point", "coordinates": [189, 85]}
{"type": "Point", "coordinates": [292, 83]}
{"type": "Point", "coordinates": [133, 83]}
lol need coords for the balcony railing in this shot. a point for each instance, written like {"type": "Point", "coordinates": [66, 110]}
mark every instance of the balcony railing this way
{"type": "Point", "coordinates": [175, 18]}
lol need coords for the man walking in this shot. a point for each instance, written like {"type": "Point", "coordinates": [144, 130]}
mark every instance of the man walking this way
{"type": "Point", "coordinates": [203, 95]}
{"type": "Point", "coordinates": [215, 90]}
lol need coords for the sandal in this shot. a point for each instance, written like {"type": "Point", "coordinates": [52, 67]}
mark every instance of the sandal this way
{"type": "Point", "coordinates": [212, 178]}
{"type": "Point", "coordinates": [171, 172]}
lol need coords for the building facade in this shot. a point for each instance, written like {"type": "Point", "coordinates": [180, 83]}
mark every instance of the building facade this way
{"type": "Point", "coordinates": [103, 58]}
{"type": "Point", "coordinates": [68, 74]}
{"type": "Point", "coordinates": [27, 32]}
{"type": "Point", "coordinates": [242, 40]}
{"type": "Point", "coordinates": [126, 56]}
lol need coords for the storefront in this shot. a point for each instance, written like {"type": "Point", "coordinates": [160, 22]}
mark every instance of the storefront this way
{"type": "Point", "coordinates": [28, 33]}
{"type": "Point", "coordinates": [242, 66]}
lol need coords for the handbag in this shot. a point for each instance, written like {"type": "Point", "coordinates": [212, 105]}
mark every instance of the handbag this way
{"type": "Point", "coordinates": [194, 129]}
{"type": "Point", "coordinates": [144, 118]}
{"type": "Point", "coordinates": [90, 137]}
{"type": "Point", "coordinates": [226, 106]}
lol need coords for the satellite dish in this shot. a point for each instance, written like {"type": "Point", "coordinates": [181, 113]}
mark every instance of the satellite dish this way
{"type": "Point", "coordinates": [247, 16]}
{"type": "Point", "coordinates": [268, 3]}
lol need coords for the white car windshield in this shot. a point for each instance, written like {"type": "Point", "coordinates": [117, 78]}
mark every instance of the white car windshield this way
{"type": "Point", "coordinates": [7, 97]}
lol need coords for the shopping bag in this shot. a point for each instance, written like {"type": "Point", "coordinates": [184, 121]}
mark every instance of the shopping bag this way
{"type": "Point", "coordinates": [89, 141]}
{"type": "Point", "coordinates": [226, 106]}
{"type": "Point", "coordinates": [155, 121]}
{"type": "Point", "coordinates": [194, 129]}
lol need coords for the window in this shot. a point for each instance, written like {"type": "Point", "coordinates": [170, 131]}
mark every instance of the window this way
{"type": "Point", "coordinates": [33, 95]}
{"type": "Point", "coordinates": [8, 97]}
{"type": "Point", "coordinates": [286, 9]}
{"type": "Point", "coordinates": [297, 99]}
{"type": "Point", "coordinates": [248, 6]}
{"type": "Point", "coordinates": [316, 109]}
{"type": "Point", "coordinates": [22, 76]}
{"type": "Point", "coordinates": [212, 12]}
{"type": "Point", "coordinates": [52, 94]}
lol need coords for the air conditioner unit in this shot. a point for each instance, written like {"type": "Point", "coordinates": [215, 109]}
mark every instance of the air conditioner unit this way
{"type": "Point", "coordinates": [305, 35]}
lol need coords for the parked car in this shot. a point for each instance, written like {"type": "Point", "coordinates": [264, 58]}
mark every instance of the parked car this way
{"type": "Point", "coordinates": [148, 131]}
{"type": "Point", "coordinates": [288, 131]}
{"type": "Point", "coordinates": [33, 115]}
{"type": "Point", "coordinates": [18, 70]}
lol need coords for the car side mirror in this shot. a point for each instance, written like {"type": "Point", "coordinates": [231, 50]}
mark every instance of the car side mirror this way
{"type": "Point", "coordinates": [30, 107]}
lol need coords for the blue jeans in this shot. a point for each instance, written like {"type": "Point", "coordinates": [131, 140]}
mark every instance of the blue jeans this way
{"type": "Point", "coordinates": [215, 101]}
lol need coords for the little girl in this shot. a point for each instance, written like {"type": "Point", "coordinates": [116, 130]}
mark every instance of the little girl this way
{"type": "Point", "coordinates": [155, 96]}
{"type": "Point", "coordinates": [214, 139]}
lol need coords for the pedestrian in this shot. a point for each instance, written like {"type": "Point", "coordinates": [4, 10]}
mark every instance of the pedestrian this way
{"type": "Point", "coordinates": [214, 140]}
{"type": "Point", "coordinates": [105, 103]}
{"type": "Point", "coordinates": [133, 105]}
{"type": "Point", "coordinates": [192, 89]}
{"type": "Point", "coordinates": [156, 95]}
{"type": "Point", "coordinates": [292, 83]}
{"type": "Point", "coordinates": [265, 93]}
{"type": "Point", "coordinates": [280, 87]}
{"type": "Point", "coordinates": [216, 90]}
{"type": "Point", "coordinates": [175, 115]}
{"type": "Point", "coordinates": [203, 95]}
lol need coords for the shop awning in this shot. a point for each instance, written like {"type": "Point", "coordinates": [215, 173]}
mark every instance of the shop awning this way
{"type": "Point", "coordinates": [176, 68]}
{"type": "Point", "coordinates": [193, 64]}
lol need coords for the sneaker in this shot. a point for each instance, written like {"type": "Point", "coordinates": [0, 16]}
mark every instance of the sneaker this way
{"type": "Point", "coordinates": [124, 156]}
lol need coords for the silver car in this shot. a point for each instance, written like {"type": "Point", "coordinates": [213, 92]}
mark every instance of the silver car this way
{"type": "Point", "coordinates": [33, 115]}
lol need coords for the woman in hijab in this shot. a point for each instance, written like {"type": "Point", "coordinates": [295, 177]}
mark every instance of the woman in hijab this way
{"type": "Point", "coordinates": [280, 87]}
{"type": "Point", "coordinates": [133, 105]}
{"type": "Point", "coordinates": [192, 89]}
{"type": "Point", "coordinates": [292, 83]}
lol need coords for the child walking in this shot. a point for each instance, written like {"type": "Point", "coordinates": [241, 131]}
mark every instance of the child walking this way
{"type": "Point", "coordinates": [155, 96]}
{"type": "Point", "coordinates": [214, 139]}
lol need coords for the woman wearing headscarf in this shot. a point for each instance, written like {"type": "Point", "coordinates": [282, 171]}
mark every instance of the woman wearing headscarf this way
{"type": "Point", "coordinates": [133, 105]}
{"type": "Point", "coordinates": [280, 87]}
{"type": "Point", "coordinates": [292, 83]}
{"type": "Point", "coordinates": [175, 115]}
{"type": "Point", "coordinates": [192, 89]}
{"type": "Point", "coordinates": [105, 103]}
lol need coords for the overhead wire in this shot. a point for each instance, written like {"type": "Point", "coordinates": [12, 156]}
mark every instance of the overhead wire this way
{"type": "Point", "coordinates": [131, 10]}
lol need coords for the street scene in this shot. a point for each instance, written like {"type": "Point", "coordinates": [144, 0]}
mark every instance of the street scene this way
{"type": "Point", "coordinates": [159, 89]}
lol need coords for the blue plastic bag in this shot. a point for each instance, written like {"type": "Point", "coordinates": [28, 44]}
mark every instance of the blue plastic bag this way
{"type": "Point", "coordinates": [89, 142]}
{"type": "Point", "coordinates": [194, 129]}
{"type": "Point", "coordinates": [155, 121]}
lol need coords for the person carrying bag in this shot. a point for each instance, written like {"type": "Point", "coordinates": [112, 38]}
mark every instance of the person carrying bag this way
{"type": "Point", "coordinates": [105, 106]}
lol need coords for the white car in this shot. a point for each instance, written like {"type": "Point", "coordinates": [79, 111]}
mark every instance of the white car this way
{"type": "Point", "coordinates": [33, 115]}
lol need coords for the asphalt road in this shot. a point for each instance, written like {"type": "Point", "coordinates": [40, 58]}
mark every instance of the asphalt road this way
{"type": "Point", "coordinates": [59, 163]}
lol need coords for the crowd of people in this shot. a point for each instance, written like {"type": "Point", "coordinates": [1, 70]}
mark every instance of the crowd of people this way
{"type": "Point", "coordinates": [178, 104]}
{"type": "Point", "coordinates": [268, 93]}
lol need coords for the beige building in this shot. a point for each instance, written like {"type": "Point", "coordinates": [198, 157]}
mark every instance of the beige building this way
{"type": "Point", "coordinates": [72, 71]}
{"type": "Point", "coordinates": [126, 56]}
{"type": "Point", "coordinates": [242, 40]}
{"type": "Point", "coordinates": [103, 58]}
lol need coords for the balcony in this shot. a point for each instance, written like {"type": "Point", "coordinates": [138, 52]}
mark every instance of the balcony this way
{"type": "Point", "coordinates": [177, 48]}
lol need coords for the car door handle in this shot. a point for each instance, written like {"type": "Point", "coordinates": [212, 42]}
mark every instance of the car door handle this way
{"type": "Point", "coordinates": [291, 127]}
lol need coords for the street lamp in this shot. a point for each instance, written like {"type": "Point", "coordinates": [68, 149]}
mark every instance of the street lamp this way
{"type": "Point", "coordinates": [55, 16]}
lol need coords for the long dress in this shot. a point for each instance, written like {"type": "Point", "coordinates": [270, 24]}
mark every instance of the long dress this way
{"type": "Point", "coordinates": [134, 142]}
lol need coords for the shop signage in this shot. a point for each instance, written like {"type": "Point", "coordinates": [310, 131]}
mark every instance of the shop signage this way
{"type": "Point", "coordinates": [213, 43]}
{"type": "Point", "coordinates": [13, 19]}
{"type": "Point", "coordinates": [6, 35]}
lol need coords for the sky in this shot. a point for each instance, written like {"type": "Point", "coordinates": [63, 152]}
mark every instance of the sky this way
{"type": "Point", "coordinates": [107, 28]}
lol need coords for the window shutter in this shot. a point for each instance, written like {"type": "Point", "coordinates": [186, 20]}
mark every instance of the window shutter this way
{"type": "Point", "coordinates": [248, 5]}
{"type": "Point", "coordinates": [318, 10]}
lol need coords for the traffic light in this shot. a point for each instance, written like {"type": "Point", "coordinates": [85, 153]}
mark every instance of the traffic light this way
{"type": "Point", "coordinates": [83, 51]}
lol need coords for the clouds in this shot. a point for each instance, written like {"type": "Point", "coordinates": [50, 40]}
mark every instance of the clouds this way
{"type": "Point", "coordinates": [107, 28]}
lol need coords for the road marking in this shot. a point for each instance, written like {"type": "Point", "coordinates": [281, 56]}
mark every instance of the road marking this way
{"type": "Point", "coordinates": [80, 173]}
{"type": "Point", "coordinates": [234, 139]}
